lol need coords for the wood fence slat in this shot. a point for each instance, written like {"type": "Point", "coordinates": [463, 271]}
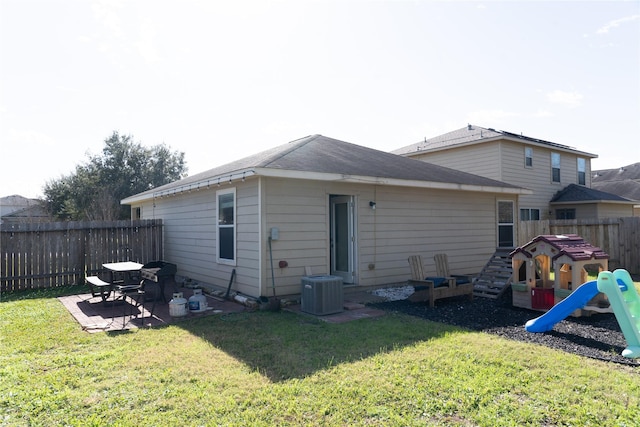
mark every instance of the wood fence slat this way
{"type": "Point", "coordinates": [60, 253]}
{"type": "Point", "coordinates": [618, 237]}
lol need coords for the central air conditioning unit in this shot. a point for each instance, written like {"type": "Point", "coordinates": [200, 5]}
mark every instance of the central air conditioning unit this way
{"type": "Point", "coordinates": [322, 295]}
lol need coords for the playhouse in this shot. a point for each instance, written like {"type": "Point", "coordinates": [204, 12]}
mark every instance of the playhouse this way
{"type": "Point", "coordinates": [550, 267]}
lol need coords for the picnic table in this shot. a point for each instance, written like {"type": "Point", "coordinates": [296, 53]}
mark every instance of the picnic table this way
{"type": "Point", "coordinates": [126, 273]}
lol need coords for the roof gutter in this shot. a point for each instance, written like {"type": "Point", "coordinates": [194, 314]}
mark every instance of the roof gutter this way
{"type": "Point", "coordinates": [361, 179]}
{"type": "Point", "coordinates": [217, 180]}
{"type": "Point", "coordinates": [588, 202]}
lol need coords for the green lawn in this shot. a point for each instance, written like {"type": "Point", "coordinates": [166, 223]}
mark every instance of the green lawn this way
{"type": "Point", "coordinates": [269, 369]}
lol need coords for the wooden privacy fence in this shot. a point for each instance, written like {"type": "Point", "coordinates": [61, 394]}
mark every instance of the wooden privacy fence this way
{"type": "Point", "coordinates": [618, 237]}
{"type": "Point", "coordinates": [45, 255]}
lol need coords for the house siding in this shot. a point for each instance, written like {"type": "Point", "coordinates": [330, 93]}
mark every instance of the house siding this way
{"type": "Point", "coordinates": [479, 159]}
{"type": "Point", "coordinates": [406, 221]}
{"type": "Point", "coordinates": [614, 210]}
{"type": "Point", "coordinates": [504, 160]}
{"type": "Point", "coordinates": [190, 235]}
{"type": "Point", "coordinates": [597, 210]}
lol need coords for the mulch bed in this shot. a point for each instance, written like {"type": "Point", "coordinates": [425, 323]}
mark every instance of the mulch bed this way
{"type": "Point", "coordinates": [597, 336]}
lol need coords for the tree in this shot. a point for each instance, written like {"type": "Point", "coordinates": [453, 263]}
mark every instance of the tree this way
{"type": "Point", "coordinates": [125, 168]}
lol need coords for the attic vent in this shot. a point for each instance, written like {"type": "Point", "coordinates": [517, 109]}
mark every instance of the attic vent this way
{"type": "Point", "coordinates": [469, 127]}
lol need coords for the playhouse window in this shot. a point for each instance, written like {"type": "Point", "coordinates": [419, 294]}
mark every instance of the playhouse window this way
{"type": "Point", "coordinates": [226, 227]}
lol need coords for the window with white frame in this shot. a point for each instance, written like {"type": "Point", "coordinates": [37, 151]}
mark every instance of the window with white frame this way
{"type": "Point", "coordinates": [528, 157]}
{"type": "Point", "coordinates": [582, 171]}
{"type": "Point", "coordinates": [505, 224]}
{"type": "Point", "coordinates": [529, 214]}
{"type": "Point", "coordinates": [226, 228]}
{"type": "Point", "coordinates": [555, 167]}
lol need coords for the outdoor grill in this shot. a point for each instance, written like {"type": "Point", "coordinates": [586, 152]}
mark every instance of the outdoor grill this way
{"type": "Point", "coordinates": [160, 272]}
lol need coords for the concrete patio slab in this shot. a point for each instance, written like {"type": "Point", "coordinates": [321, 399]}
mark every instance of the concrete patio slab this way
{"type": "Point", "coordinates": [95, 316]}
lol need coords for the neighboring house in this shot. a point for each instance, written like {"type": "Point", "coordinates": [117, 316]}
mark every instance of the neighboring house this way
{"type": "Point", "coordinates": [579, 202]}
{"type": "Point", "coordinates": [16, 208]}
{"type": "Point", "coordinates": [336, 207]}
{"type": "Point", "coordinates": [624, 182]}
{"type": "Point", "coordinates": [541, 166]}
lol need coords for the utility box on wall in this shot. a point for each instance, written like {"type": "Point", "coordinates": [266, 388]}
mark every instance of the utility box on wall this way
{"type": "Point", "coordinates": [322, 295]}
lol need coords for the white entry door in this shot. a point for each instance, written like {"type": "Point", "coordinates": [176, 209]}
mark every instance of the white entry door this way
{"type": "Point", "coordinates": [342, 238]}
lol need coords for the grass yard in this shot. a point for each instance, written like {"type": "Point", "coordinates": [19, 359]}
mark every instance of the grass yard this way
{"type": "Point", "coordinates": [269, 369]}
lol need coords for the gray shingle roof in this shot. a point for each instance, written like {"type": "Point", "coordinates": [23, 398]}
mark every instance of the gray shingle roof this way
{"type": "Point", "coordinates": [320, 154]}
{"type": "Point", "coordinates": [475, 134]}
{"type": "Point", "coordinates": [624, 181]}
{"type": "Point", "coordinates": [629, 189]}
{"type": "Point", "coordinates": [626, 172]}
{"type": "Point", "coordinates": [578, 193]}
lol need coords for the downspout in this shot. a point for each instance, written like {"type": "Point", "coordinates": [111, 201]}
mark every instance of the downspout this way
{"type": "Point", "coordinates": [261, 226]}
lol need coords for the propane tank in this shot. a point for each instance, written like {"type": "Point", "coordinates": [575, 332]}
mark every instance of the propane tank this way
{"type": "Point", "coordinates": [178, 305]}
{"type": "Point", "coordinates": [197, 301]}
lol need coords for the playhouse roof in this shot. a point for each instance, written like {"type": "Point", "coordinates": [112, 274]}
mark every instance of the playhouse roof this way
{"type": "Point", "coordinates": [571, 245]}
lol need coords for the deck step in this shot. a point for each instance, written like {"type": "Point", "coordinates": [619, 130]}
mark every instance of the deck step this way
{"type": "Point", "coordinates": [496, 275]}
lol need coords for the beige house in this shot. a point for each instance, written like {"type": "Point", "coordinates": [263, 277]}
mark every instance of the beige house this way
{"type": "Point", "coordinates": [544, 167]}
{"type": "Point", "coordinates": [623, 181]}
{"type": "Point", "coordinates": [579, 202]}
{"type": "Point", "coordinates": [336, 207]}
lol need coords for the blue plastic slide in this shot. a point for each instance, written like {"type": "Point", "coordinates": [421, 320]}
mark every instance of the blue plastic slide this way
{"type": "Point", "coordinates": [576, 300]}
{"type": "Point", "coordinates": [624, 300]}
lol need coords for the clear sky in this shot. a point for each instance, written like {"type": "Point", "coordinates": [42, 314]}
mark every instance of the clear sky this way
{"type": "Point", "coordinates": [219, 80]}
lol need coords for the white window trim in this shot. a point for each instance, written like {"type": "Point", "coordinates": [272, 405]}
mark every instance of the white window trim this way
{"type": "Point", "coordinates": [511, 224]}
{"type": "Point", "coordinates": [219, 260]}
{"type": "Point", "coordinates": [584, 171]}
{"type": "Point", "coordinates": [559, 168]}
{"type": "Point", "coordinates": [528, 157]}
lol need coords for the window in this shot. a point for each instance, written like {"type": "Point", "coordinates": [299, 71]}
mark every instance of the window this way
{"type": "Point", "coordinates": [565, 214]}
{"type": "Point", "coordinates": [529, 214]}
{"type": "Point", "coordinates": [505, 224]}
{"type": "Point", "coordinates": [582, 167]}
{"type": "Point", "coordinates": [555, 167]}
{"type": "Point", "coordinates": [226, 226]}
{"type": "Point", "coordinates": [528, 157]}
